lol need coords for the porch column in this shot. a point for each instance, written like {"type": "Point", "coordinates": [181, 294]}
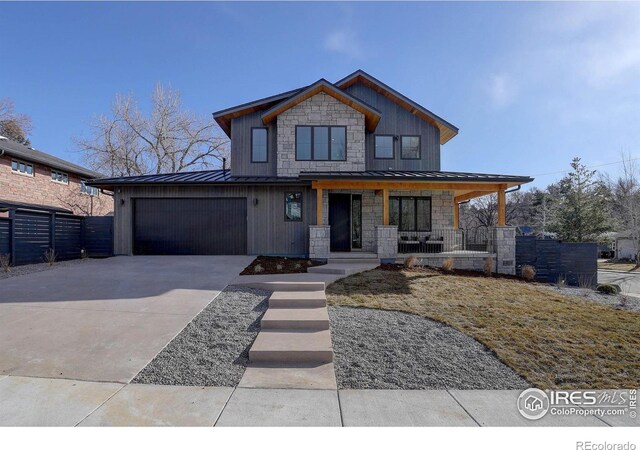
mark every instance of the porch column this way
{"type": "Point", "coordinates": [502, 207]}
{"type": "Point", "coordinates": [456, 215]}
{"type": "Point", "coordinates": [385, 207]}
{"type": "Point", "coordinates": [318, 206]}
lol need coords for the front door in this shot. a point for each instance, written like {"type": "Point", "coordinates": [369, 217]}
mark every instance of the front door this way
{"type": "Point", "coordinates": [340, 221]}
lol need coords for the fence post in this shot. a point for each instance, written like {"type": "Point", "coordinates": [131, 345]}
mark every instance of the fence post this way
{"type": "Point", "coordinates": [12, 240]}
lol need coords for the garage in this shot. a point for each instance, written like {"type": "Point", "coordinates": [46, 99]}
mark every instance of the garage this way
{"type": "Point", "coordinates": [190, 226]}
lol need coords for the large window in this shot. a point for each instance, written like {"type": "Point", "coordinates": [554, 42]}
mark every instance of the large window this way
{"type": "Point", "coordinates": [89, 190]}
{"type": "Point", "coordinates": [410, 147]}
{"type": "Point", "coordinates": [259, 145]}
{"type": "Point", "coordinates": [293, 206]}
{"type": "Point", "coordinates": [410, 213]}
{"type": "Point", "coordinates": [383, 147]}
{"type": "Point", "coordinates": [22, 167]}
{"type": "Point", "coordinates": [321, 143]}
{"type": "Point", "coordinates": [59, 177]}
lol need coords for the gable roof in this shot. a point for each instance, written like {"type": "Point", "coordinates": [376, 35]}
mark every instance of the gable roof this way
{"type": "Point", "coordinates": [371, 115]}
{"type": "Point", "coordinates": [447, 130]}
{"type": "Point", "coordinates": [224, 116]}
{"type": "Point", "coordinates": [30, 154]}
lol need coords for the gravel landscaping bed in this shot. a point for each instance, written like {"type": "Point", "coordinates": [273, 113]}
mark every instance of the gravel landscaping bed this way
{"type": "Point", "coordinates": [619, 301]}
{"type": "Point", "coordinates": [33, 268]}
{"type": "Point", "coordinates": [213, 349]}
{"type": "Point", "coordinates": [377, 349]}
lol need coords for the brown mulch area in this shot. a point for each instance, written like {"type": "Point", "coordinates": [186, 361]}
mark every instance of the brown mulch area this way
{"type": "Point", "coordinates": [274, 265]}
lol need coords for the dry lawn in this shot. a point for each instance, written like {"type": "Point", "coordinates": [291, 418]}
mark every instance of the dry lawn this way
{"type": "Point", "coordinates": [552, 340]}
{"type": "Point", "coordinates": [623, 266]}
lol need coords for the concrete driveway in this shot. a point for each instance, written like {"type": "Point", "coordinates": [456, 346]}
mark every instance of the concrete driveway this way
{"type": "Point", "coordinates": [104, 320]}
{"type": "Point", "coordinates": [629, 282]}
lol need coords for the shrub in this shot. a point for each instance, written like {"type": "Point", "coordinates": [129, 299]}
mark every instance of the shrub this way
{"type": "Point", "coordinates": [411, 262]}
{"type": "Point", "coordinates": [561, 281]}
{"type": "Point", "coordinates": [50, 257]}
{"type": "Point", "coordinates": [608, 289]}
{"type": "Point", "coordinates": [528, 272]}
{"type": "Point", "coordinates": [623, 301]}
{"type": "Point", "coordinates": [309, 262]}
{"type": "Point", "coordinates": [488, 266]}
{"type": "Point", "coordinates": [258, 268]}
{"type": "Point", "coordinates": [5, 262]}
{"type": "Point", "coordinates": [297, 266]}
{"type": "Point", "coordinates": [447, 265]}
{"type": "Point", "coordinates": [279, 267]}
{"type": "Point", "coordinates": [585, 281]}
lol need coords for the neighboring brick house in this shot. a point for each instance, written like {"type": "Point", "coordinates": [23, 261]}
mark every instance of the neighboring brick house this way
{"type": "Point", "coordinates": [29, 176]}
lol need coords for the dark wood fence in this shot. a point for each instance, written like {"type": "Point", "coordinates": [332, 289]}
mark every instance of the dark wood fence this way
{"type": "Point", "coordinates": [554, 260]}
{"type": "Point", "coordinates": [27, 235]}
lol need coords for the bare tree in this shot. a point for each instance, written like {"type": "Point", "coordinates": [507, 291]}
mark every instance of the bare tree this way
{"type": "Point", "coordinates": [13, 125]}
{"type": "Point", "coordinates": [169, 139]}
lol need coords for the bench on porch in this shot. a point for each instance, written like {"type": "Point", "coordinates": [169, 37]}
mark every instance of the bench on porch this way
{"type": "Point", "coordinates": [419, 242]}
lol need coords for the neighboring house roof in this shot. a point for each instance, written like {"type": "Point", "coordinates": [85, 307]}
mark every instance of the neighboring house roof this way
{"type": "Point", "coordinates": [391, 175]}
{"type": "Point", "coordinates": [224, 177]}
{"type": "Point", "coordinates": [371, 115]}
{"type": "Point", "coordinates": [7, 205]}
{"type": "Point", "coordinates": [224, 116]}
{"type": "Point", "coordinates": [30, 154]}
{"type": "Point", "coordinates": [447, 130]}
{"type": "Point", "coordinates": [200, 177]}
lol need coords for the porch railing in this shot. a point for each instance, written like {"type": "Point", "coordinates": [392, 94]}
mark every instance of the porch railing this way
{"type": "Point", "coordinates": [437, 241]}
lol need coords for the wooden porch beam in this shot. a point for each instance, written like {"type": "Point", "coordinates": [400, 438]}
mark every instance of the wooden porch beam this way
{"type": "Point", "coordinates": [405, 186]}
{"type": "Point", "coordinates": [456, 215]}
{"type": "Point", "coordinates": [470, 195]}
{"type": "Point", "coordinates": [385, 207]}
{"type": "Point", "coordinates": [502, 207]}
{"type": "Point", "coordinates": [319, 217]}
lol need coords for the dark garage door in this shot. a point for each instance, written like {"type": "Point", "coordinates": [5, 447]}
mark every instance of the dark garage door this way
{"type": "Point", "coordinates": [190, 226]}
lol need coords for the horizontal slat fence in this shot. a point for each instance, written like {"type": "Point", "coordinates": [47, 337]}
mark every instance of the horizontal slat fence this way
{"type": "Point", "coordinates": [554, 260]}
{"type": "Point", "coordinates": [27, 235]}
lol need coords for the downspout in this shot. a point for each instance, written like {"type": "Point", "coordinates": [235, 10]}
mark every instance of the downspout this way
{"type": "Point", "coordinates": [517, 188]}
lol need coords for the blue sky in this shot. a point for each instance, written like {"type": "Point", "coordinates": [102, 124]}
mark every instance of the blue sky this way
{"type": "Point", "coordinates": [529, 85]}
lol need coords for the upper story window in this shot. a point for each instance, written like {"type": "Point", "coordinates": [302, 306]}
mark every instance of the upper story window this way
{"type": "Point", "coordinates": [293, 206]}
{"type": "Point", "coordinates": [22, 167]}
{"type": "Point", "coordinates": [383, 147]}
{"type": "Point", "coordinates": [410, 213]}
{"type": "Point", "coordinates": [320, 143]}
{"type": "Point", "coordinates": [89, 190]}
{"type": "Point", "coordinates": [259, 149]}
{"type": "Point", "coordinates": [59, 177]}
{"type": "Point", "coordinates": [410, 147]}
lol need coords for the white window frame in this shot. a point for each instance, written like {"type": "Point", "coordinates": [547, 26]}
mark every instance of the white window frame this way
{"type": "Point", "coordinates": [58, 173]}
{"type": "Point", "coordinates": [26, 164]}
{"type": "Point", "coordinates": [88, 190]}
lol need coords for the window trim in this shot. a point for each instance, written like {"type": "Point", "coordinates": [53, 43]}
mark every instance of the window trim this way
{"type": "Point", "coordinates": [64, 174]}
{"type": "Point", "coordinates": [415, 205]}
{"type": "Point", "coordinates": [329, 127]}
{"type": "Point", "coordinates": [267, 131]}
{"type": "Point", "coordinates": [21, 161]}
{"type": "Point", "coordinates": [393, 146]}
{"type": "Point", "coordinates": [419, 146]}
{"type": "Point", "coordinates": [301, 219]}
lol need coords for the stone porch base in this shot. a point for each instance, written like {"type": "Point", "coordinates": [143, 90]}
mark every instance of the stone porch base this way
{"type": "Point", "coordinates": [461, 260]}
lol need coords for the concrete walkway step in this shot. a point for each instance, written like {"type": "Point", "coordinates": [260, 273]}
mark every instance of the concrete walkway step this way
{"type": "Point", "coordinates": [288, 346]}
{"type": "Point", "coordinates": [292, 299]}
{"type": "Point", "coordinates": [289, 376]}
{"type": "Point", "coordinates": [343, 268]}
{"type": "Point", "coordinates": [352, 255]}
{"type": "Point", "coordinates": [295, 319]}
{"type": "Point", "coordinates": [350, 261]}
{"type": "Point", "coordinates": [298, 286]}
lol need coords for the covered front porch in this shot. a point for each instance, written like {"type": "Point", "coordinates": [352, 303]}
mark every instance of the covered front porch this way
{"type": "Point", "coordinates": [397, 218]}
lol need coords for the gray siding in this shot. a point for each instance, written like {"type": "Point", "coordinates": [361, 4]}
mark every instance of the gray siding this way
{"type": "Point", "coordinates": [267, 231]}
{"type": "Point", "coordinates": [398, 121]}
{"type": "Point", "coordinates": [241, 164]}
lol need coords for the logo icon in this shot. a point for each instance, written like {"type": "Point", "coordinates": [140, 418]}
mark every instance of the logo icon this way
{"type": "Point", "coordinates": [533, 404]}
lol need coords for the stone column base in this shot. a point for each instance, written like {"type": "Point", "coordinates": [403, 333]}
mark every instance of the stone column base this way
{"type": "Point", "coordinates": [387, 243]}
{"type": "Point", "coordinates": [319, 242]}
{"type": "Point", "coordinates": [504, 246]}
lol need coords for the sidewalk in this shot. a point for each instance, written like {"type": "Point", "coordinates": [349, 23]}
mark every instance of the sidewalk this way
{"type": "Point", "coordinates": [28, 401]}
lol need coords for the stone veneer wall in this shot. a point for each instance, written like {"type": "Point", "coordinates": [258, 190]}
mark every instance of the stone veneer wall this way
{"type": "Point", "coordinates": [503, 245]}
{"type": "Point", "coordinates": [387, 242]}
{"type": "Point", "coordinates": [460, 261]}
{"type": "Point", "coordinates": [321, 109]}
{"type": "Point", "coordinates": [319, 241]}
{"type": "Point", "coordinates": [441, 211]}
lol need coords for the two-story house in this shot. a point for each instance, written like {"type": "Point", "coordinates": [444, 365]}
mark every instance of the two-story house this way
{"type": "Point", "coordinates": [33, 179]}
{"type": "Point", "coordinates": [351, 166]}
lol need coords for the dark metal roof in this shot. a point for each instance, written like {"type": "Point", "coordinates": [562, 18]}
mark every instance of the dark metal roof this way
{"type": "Point", "coordinates": [391, 175]}
{"type": "Point", "coordinates": [7, 205]}
{"type": "Point", "coordinates": [224, 177]}
{"type": "Point", "coordinates": [201, 177]}
{"type": "Point", "coordinates": [17, 150]}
